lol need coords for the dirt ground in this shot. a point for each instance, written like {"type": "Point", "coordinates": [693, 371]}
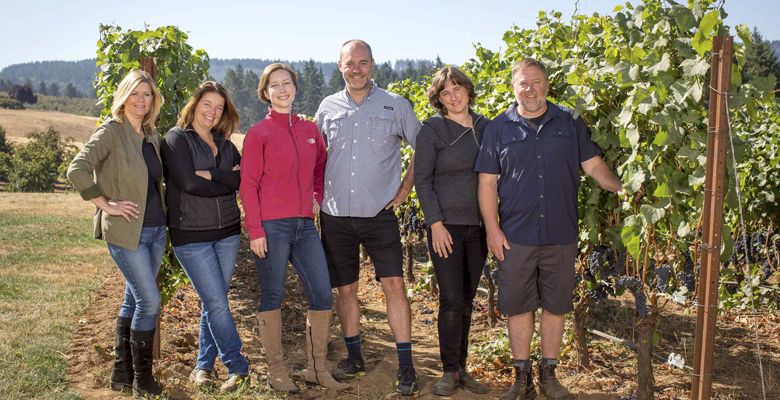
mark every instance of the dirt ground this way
{"type": "Point", "coordinates": [611, 376]}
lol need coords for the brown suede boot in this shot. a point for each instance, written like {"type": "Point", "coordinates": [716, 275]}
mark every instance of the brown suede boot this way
{"type": "Point", "coordinates": [271, 335]}
{"type": "Point", "coordinates": [549, 384]}
{"type": "Point", "coordinates": [523, 388]}
{"type": "Point", "coordinates": [317, 333]}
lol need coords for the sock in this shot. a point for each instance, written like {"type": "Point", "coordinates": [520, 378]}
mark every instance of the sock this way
{"type": "Point", "coordinates": [353, 347]}
{"type": "Point", "coordinates": [548, 361]}
{"type": "Point", "coordinates": [520, 364]}
{"type": "Point", "coordinates": [404, 350]}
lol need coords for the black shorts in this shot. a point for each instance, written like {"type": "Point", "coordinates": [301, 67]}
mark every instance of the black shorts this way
{"type": "Point", "coordinates": [536, 276]}
{"type": "Point", "coordinates": [342, 236]}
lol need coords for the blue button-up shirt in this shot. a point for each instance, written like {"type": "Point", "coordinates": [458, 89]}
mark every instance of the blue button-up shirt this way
{"type": "Point", "coordinates": [363, 172]}
{"type": "Point", "coordinates": [538, 173]}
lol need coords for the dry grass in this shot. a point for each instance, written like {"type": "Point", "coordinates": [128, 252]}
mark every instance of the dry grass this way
{"type": "Point", "coordinates": [49, 269]}
{"type": "Point", "coordinates": [18, 123]}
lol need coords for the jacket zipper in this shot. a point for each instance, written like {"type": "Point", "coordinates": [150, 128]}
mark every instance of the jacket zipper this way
{"type": "Point", "coordinates": [297, 165]}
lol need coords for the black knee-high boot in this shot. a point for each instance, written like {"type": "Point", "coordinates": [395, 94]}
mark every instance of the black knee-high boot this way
{"type": "Point", "coordinates": [122, 373]}
{"type": "Point", "coordinates": [144, 383]}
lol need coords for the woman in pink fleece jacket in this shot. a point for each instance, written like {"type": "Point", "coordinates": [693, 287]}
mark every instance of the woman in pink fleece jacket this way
{"type": "Point", "coordinates": [282, 171]}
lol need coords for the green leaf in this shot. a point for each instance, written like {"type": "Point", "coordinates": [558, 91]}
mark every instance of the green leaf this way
{"type": "Point", "coordinates": [662, 190]}
{"type": "Point", "coordinates": [683, 230]}
{"type": "Point", "coordinates": [743, 31]}
{"type": "Point", "coordinates": [661, 66]}
{"type": "Point", "coordinates": [702, 40]}
{"type": "Point", "coordinates": [630, 237]}
{"type": "Point", "coordinates": [697, 66]}
{"type": "Point", "coordinates": [652, 214]}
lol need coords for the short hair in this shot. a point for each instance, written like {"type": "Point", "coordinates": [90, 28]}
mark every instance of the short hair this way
{"type": "Point", "coordinates": [228, 122]}
{"type": "Point", "coordinates": [440, 78]}
{"type": "Point", "coordinates": [528, 62]}
{"type": "Point", "coordinates": [266, 76]}
{"type": "Point", "coordinates": [126, 87]}
{"type": "Point", "coordinates": [360, 42]}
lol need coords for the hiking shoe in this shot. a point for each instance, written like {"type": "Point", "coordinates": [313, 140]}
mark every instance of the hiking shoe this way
{"type": "Point", "coordinates": [203, 378]}
{"type": "Point", "coordinates": [472, 385]}
{"type": "Point", "coordinates": [406, 384]}
{"type": "Point", "coordinates": [523, 388]}
{"type": "Point", "coordinates": [447, 385]}
{"type": "Point", "coordinates": [549, 384]}
{"type": "Point", "coordinates": [234, 382]}
{"type": "Point", "coordinates": [348, 369]}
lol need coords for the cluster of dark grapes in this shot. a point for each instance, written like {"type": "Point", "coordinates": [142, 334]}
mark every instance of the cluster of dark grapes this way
{"type": "Point", "coordinates": [599, 262]}
{"type": "Point", "coordinates": [411, 223]}
{"type": "Point", "coordinates": [634, 284]}
{"type": "Point", "coordinates": [598, 293]}
{"type": "Point", "coordinates": [687, 275]}
{"type": "Point", "coordinates": [761, 247]}
{"type": "Point", "coordinates": [662, 278]}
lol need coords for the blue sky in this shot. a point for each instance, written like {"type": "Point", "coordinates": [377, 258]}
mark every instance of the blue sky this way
{"type": "Point", "coordinates": [297, 30]}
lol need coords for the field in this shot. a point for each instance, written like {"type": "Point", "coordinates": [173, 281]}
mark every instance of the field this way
{"type": "Point", "coordinates": [18, 123]}
{"type": "Point", "coordinates": [59, 295]}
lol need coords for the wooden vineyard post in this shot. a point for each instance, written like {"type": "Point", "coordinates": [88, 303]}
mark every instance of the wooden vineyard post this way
{"type": "Point", "coordinates": [149, 65]}
{"type": "Point", "coordinates": [718, 131]}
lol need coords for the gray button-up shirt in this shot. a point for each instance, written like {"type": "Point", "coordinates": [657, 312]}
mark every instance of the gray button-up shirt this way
{"type": "Point", "coordinates": [363, 172]}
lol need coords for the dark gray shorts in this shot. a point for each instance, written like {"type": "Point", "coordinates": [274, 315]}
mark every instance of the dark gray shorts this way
{"type": "Point", "coordinates": [536, 276]}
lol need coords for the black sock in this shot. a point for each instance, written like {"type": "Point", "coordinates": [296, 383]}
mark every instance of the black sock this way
{"type": "Point", "coordinates": [404, 350]}
{"type": "Point", "coordinates": [353, 347]}
{"type": "Point", "coordinates": [548, 361]}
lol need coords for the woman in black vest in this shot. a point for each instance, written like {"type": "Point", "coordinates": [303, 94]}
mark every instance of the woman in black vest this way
{"type": "Point", "coordinates": [446, 185]}
{"type": "Point", "coordinates": [202, 176]}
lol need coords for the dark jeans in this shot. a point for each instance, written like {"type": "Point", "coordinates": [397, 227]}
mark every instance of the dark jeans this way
{"type": "Point", "coordinates": [293, 240]}
{"type": "Point", "coordinates": [458, 276]}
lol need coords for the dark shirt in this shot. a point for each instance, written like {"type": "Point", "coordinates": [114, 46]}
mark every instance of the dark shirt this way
{"type": "Point", "coordinates": [538, 173]}
{"type": "Point", "coordinates": [180, 173]}
{"type": "Point", "coordinates": [444, 176]}
{"type": "Point", "coordinates": [154, 215]}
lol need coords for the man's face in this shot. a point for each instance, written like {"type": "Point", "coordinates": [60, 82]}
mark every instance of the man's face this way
{"type": "Point", "coordinates": [530, 87]}
{"type": "Point", "coordinates": [356, 67]}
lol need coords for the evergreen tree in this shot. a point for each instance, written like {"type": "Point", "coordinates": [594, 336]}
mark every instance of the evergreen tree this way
{"type": "Point", "coordinates": [438, 64]}
{"type": "Point", "coordinates": [335, 83]}
{"type": "Point", "coordinates": [54, 89]}
{"type": "Point", "coordinates": [42, 89]}
{"type": "Point", "coordinates": [310, 86]}
{"type": "Point", "coordinates": [241, 85]}
{"type": "Point", "coordinates": [760, 60]}
{"type": "Point", "coordinates": [71, 91]}
{"type": "Point", "coordinates": [384, 74]}
{"type": "Point", "coordinates": [4, 86]}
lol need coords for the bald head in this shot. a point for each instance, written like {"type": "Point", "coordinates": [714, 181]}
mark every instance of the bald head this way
{"type": "Point", "coordinates": [353, 43]}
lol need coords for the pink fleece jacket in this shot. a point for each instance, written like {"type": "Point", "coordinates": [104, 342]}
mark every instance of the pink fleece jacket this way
{"type": "Point", "coordinates": [282, 170]}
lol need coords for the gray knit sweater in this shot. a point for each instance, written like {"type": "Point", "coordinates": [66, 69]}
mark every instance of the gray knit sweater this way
{"type": "Point", "coordinates": [444, 175]}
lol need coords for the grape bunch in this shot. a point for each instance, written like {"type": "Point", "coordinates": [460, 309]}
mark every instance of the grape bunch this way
{"type": "Point", "coordinates": [411, 221]}
{"type": "Point", "coordinates": [634, 284]}
{"type": "Point", "coordinates": [599, 262]}
{"type": "Point", "coordinates": [598, 293]}
{"type": "Point", "coordinates": [662, 278]}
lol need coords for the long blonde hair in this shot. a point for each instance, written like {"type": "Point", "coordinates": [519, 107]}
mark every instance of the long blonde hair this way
{"type": "Point", "coordinates": [126, 87]}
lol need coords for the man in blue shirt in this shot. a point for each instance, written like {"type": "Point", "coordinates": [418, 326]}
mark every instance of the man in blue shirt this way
{"type": "Point", "coordinates": [529, 174]}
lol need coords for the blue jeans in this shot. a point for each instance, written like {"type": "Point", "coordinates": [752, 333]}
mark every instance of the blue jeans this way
{"type": "Point", "coordinates": [295, 240]}
{"type": "Point", "coordinates": [140, 267]}
{"type": "Point", "coordinates": [209, 265]}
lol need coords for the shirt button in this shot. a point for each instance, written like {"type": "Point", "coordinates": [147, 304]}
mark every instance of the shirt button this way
{"type": "Point", "coordinates": [353, 157]}
{"type": "Point", "coordinates": [540, 177]}
{"type": "Point", "coordinates": [356, 124]}
{"type": "Point", "coordinates": [541, 196]}
{"type": "Point", "coordinates": [353, 174]}
{"type": "Point", "coordinates": [542, 215]}
{"type": "Point", "coordinates": [354, 141]}
{"type": "Point", "coordinates": [352, 191]}
{"type": "Point", "coordinates": [539, 156]}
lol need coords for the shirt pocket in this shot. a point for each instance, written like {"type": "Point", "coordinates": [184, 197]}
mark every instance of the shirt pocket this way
{"type": "Point", "coordinates": [559, 142]}
{"type": "Point", "coordinates": [334, 136]}
{"type": "Point", "coordinates": [382, 133]}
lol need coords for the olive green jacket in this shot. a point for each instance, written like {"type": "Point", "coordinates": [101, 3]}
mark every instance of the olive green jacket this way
{"type": "Point", "coordinates": [114, 156]}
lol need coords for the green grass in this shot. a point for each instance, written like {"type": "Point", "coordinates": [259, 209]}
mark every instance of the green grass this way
{"type": "Point", "coordinates": [49, 269]}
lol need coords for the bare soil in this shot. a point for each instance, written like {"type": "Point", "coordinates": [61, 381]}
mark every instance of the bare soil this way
{"type": "Point", "coordinates": [611, 376]}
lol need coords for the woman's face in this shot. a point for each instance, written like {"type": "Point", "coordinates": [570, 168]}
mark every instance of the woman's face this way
{"type": "Point", "coordinates": [209, 110]}
{"type": "Point", "coordinates": [139, 103]}
{"type": "Point", "coordinates": [454, 97]}
{"type": "Point", "coordinates": [280, 90]}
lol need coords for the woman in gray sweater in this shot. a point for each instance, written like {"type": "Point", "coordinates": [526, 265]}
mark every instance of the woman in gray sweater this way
{"type": "Point", "coordinates": [446, 185]}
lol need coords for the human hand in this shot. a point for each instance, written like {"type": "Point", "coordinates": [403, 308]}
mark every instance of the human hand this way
{"type": "Point", "coordinates": [236, 167]}
{"type": "Point", "coordinates": [122, 208]}
{"type": "Point", "coordinates": [441, 240]}
{"type": "Point", "coordinates": [315, 207]}
{"type": "Point", "coordinates": [203, 173]}
{"type": "Point", "coordinates": [259, 246]}
{"type": "Point", "coordinates": [400, 197]}
{"type": "Point", "coordinates": [497, 242]}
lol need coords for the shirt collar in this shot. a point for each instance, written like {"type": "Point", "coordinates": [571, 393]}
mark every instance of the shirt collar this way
{"type": "Point", "coordinates": [370, 92]}
{"type": "Point", "coordinates": [552, 112]}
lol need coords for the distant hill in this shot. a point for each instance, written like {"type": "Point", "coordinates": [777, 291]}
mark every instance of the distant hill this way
{"type": "Point", "coordinates": [81, 73]}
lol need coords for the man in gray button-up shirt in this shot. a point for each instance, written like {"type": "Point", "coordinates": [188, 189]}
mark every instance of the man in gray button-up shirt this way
{"type": "Point", "coordinates": [364, 127]}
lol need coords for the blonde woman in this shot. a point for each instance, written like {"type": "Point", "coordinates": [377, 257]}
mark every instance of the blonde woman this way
{"type": "Point", "coordinates": [119, 170]}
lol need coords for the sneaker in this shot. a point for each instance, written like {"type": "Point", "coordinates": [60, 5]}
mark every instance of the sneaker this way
{"type": "Point", "coordinates": [471, 384]}
{"type": "Point", "coordinates": [406, 384]}
{"type": "Point", "coordinates": [349, 369]}
{"type": "Point", "coordinates": [234, 382]}
{"type": "Point", "coordinates": [447, 385]}
{"type": "Point", "coordinates": [203, 378]}
{"type": "Point", "coordinates": [550, 386]}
